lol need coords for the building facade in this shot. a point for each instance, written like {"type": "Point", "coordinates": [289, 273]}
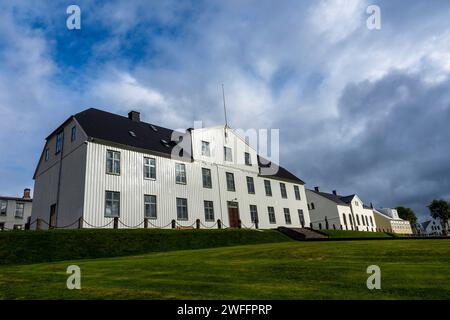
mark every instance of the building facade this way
{"type": "Point", "coordinates": [387, 220]}
{"type": "Point", "coordinates": [98, 166]}
{"type": "Point", "coordinates": [333, 211]}
{"type": "Point", "coordinates": [15, 212]}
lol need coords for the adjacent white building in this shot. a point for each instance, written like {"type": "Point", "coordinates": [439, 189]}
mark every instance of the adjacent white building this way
{"type": "Point", "coordinates": [388, 220]}
{"type": "Point", "coordinates": [98, 166]}
{"type": "Point", "coordinates": [15, 212]}
{"type": "Point", "coordinates": [333, 211]}
{"type": "Point", "coordinates": [431, 227]}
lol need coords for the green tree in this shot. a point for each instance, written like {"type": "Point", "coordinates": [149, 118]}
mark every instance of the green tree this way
{"type": "Point", "coordinates": [407, 214]}
{"type": "Point", "coordinates": [440, 209]}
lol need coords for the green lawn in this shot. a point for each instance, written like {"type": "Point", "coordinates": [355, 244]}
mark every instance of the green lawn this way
{"type": "Point", "coordinates": [411, 269]}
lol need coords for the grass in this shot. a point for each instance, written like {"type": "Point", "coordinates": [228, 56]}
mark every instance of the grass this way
{"type": "Point", "coordinates": [410, 269]}
{"type": "Point", "coordinates": [341, 234]}
{"type": "Point", "coordinates": [55, 245]}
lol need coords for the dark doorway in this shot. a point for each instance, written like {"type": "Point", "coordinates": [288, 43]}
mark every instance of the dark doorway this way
{"type": "Point", "coordinates": [52, 220]}
{"type": "Point", "coordinates": [233, 214]}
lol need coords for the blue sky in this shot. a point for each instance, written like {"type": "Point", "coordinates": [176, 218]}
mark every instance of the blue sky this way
{"type": "Point", "coordinates": [359, 110]}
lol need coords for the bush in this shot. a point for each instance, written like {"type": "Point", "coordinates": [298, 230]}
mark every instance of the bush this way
{"type": "Point", "coordinates": [355, 234]}
{"type": "Point", "coordinates": [54, 245]}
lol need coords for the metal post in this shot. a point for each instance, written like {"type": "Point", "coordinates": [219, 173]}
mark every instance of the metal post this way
{"type": "Point", "coordinates": [80, 223]}
{"type": "Point", "coordinates": [145, 223]}
{"type": "Point", "coordinates": [219, 224]}
{"type": "Point", "coordinates": [173, 224]}
{"type": "Point", "coordinates": [116, 223]}
{"type": "Point", "coordinates": [197, 223]}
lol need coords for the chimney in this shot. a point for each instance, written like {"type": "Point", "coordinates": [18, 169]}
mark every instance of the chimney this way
{"type": "Point", "coordinates": [134, 116]}
{"type": "Point", "coordinates": [317, 189]}
{"type": "Point", "coordinates": [335, 192]}
{"type": "Point", "coordinates": [26, 193]}
{"type": "Point", "coordinates": [371, 205]}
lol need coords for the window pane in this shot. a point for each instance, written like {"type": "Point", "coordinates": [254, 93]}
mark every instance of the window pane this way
{"type": "Point", "coordinates": [205, 148]}
{"type": "Point", "coordinates": [297, 192]}
{"type": "Point", "coordinates": [287, 216]}
{"type": "Point", "coordinates": [271, 212]}
{"type": "Point", "coordinates": [112, 204]}
{"type": "Point", "coordinates": [209, 210]}
{"type": "Point", "coordinates": [182, 212]}
{"type": "Point", "coordinates": [227, 154]}
{"type": "Point", "coordinates": [180, 172]}
{"type": "Point", "coordinates": [206, 176]}
{"type": "Point", "coordinates": [230, 182]}
{"type": "Point", "coordinates": [268, 188]}
{"type": "Point", "coordinates": [248, 160]}
{"type": "Point", "coordinates": [283, 190]}
{"type": "Point", "coordinates": [250, 185]}
{"type": "Point", "coordinates": [253, 213]}
{"type": "Point", "coordinates": [150, 206]}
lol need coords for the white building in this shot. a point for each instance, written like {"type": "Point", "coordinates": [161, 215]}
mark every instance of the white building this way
{"type": "Point", "coordinates": [333, 211]}
{"type": "Point", "coordinates": [431, 227]}
{"type": "Point", "coordinates": [15, 212]}
{"type": "Point", "coordinates": [388, 220]}
{"type": "Point", "coordinates": [98, 166]}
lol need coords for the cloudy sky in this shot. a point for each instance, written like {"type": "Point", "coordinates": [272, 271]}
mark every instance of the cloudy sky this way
{"type": "Point", "coordinates": [361, 111]}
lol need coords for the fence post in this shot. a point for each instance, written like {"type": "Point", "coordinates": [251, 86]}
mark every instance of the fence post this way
{"type": "Point", "coordinates": [239, 224]}
{"type": "Point", "coordinates": [219, 224]}
{"type": "Point", "coordinates": [145, 223]}
{"type": "Point", "coordinates": [197, 223]}
{"type": "Point", "coordinates": [116, 222]}
{"type": "Point", "coordinates": [80, 223]}
{"type": "Point", "coordinates": [173, 224]}
{"type": "Point", "coordinates": [256, 223]}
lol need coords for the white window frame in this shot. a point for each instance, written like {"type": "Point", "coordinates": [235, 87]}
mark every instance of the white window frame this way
{"type": "Point", "coordinates": [3, 207]}
{"type": "Point", "coordinates": [73, 134]}
{"type": "Point", "coordinates": [112, 197]}
{"type": "Point", "coordinates": [250, 185]}
{"type": "Point", "coordinates": [149, 168]}
{"type": "Point", "coordinates": [287, 215]}
{"type": "Point", "coordinates": [271, 213]}
{"type": "Point", "coordinates": [114, 157]}
{"type": "Point", "coordinates": [46, 154]}
{"type": "Point", "coordinates": [247, 159]}
{"type": "Point", "coordinates": [182, 209]}
{"type": "Point", "coordinates": [59, 142]}
{"type": "Point", "coordinates": [150, 206]}
{"type": "Point", "coordinates": [20, 209]}
{"type": "Point", "coordinates": [180, 173]}
{"type": "Point", "coordinates": [231, 185]}
{"type": "Point", "coordinates": [268, 187]}
{"type": "Point", "coordinates": [227, 156]}
{"type": "Point", "coordinates": [254, 213]}
{"type": "Point", "coordinates": [283, 190]}
{"type": "Point", "coordinates": [205, 149]}
{"type": "Point", "coordinates": [297, 193]}
{"type": "Point", "coordinates": [209, 210]}
{"type": "Point", "coordinates": [206, 178]}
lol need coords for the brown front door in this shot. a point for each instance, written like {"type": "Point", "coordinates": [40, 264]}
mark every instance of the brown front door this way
{"type": "Point", "coordinates": [233, 215]}
{"type": "Point", "coordinates": [52, 220]}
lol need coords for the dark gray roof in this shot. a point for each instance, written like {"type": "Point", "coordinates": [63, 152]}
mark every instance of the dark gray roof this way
{"type": "Point", "coordinates": [15, 199]}
{"type": "Point", "coordinates": [106, 126]}
{"type": "Point", "coordinates": [426, 223]}
{"type": "Point", "coordinates": [335, 198]}
{"type": "Point", "coordinates": [281, 173]}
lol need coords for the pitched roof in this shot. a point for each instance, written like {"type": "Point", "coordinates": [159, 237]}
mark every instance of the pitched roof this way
{"type": "Point", "coordinates": [121, 130]}
{"type": "Point", "coordinates": [281, 173]}
{"type": "Point", "coordinates": [335, 198]}
{"type": "Point", "coordinates": [106, 126]}
{"type": "Point", "coordinates": [425, 224]}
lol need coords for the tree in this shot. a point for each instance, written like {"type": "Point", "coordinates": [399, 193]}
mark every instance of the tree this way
{"type": "Point", "coordinates": [440, 209]}
{"type": "Point", "coordinates": [407, 214]}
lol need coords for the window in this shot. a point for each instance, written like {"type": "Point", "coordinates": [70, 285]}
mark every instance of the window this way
{"type": "Point", "coordinates": [46, 154]}
{"type": "Point", "coordinates": [297, 193]}
{"type": "Point", "coordinates": [227, 155]}
{"type": "Point", "coordinates": [59, 142]}
{"type": "Point", "coordinates": [149, 168]}
{"type": "Point", "coordinates": [150, 207]}
{"type": "Point", "coordinates": [112, 204]}
{"type": "Point", "coordinates": [3, 207]}
{"type": "Point", "coordinates": [209, 210]}
{"type": "Point", "coordinates": [180, 173]}
{"type": "Point", "coordinates": [283, 190]}
{"type": "Point", "coordinates": [271, 212]}
{"type": "Point", "coordinates": [205, 149]}
{"type": "Point", "coordinates": [73, 134]}
{"type": "Point", "coordinates": [301, 217]}
{"type": "Point", "coordinates": [345, 220]}
{"type": "Point", "coordinates": [248, 159]}
{"type": "Point", "coordinates": [230, 182]}
{"type": "Point", "coordinates": [363, 221]}
{"type": "Point", "coordinates": [268, 188]}
{"type": "Point", "coordinates": [367, 221]}
{"type": "Point", "coordinates": [206, 176]}
{"type": "Point", "coordinates": [371, 221]}
{"type": "Point", "coordinates": [287, 216]}
{"type": "Point", "coordinates": [112, 162]}
{"type": "Point", "coordinates": [253, 213]}
{"type": "Point", "coordinates": [312, 206]}
{"type": "Point", "coordinates": [357, 220]}
{"type": "Point", "coordinates": [182, 210]}
{"type": "Point", "coordinates": [350, 219]}
{"type": "Point", "coordinates": [250, 185]}
{"type": "Point", "coordinates": [19, 210]}
{"type": "Point", "coordinates": [356, 203]}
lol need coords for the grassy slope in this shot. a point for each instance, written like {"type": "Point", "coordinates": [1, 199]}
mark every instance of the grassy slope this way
{"type": "Point", "coordinates": [355, 234]}
{"type": "Point", "coordinates": [292, 270]}
{"type": "Point", "coordinates": [55, 245]}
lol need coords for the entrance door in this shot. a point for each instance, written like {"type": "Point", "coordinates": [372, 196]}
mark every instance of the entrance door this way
{"type": "Point", "coordinates": [52, 220]}
{"type": "Point", "coordinates": [233, 214]}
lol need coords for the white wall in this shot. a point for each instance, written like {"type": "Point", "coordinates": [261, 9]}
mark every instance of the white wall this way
{"type": "Point", "coordinates": [10, 219]}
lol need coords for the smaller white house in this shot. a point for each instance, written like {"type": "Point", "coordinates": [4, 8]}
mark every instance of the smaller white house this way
{"type": "Point", "coordinates": [388, 220]}
{"type": "Point", "coordinates": [333, 211]}
{"type": "Point", "coordinates": [15, 212]}
{"type": "Point", "coordinates": [431, 227]}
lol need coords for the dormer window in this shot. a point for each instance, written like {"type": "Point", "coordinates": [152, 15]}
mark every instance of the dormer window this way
{"type": "Point", "coordinates": [227, 154]}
